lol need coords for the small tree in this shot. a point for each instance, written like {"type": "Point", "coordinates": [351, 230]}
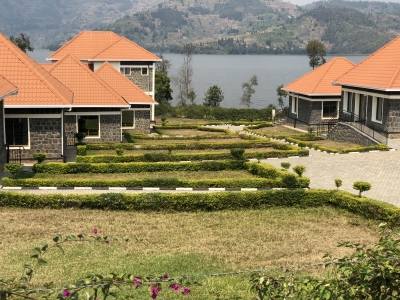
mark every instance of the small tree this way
{"type": "Point", "coordinates": [163, 91]}
{"type": "Point", "coordinates": [40, 157]}
{"type": "Point", "coordinates": [184, 78]}
{"type": "Point", "coordinates": [13, 168]}
{"type": "Point", "coordinates": [338, 183]}
{"type": "Point", "coordinates": [285, 165]}
{"type": "Point", "coordinates": [299, 170]}
{"type": "Point", "coordinates": [213, 97]}
{"type": "Point", "coordinates": [361, 186]}
{"type": "Point", "coordinates": [237, 153]}
{"type": "Point", "coordinates": [80, 136]}
{"type": "Point", "coordinates": [22, 42]}
{"type": "Point", "coordinates": [248, 90]}
{"type": "Point", "coordinates": [289, 181]}
{"type": "Point", "coordinates": [316, 52]}
{"type": "Point", "coordinates": [119, 151]}
{"type": "Point", "coordinates": [281, 94]}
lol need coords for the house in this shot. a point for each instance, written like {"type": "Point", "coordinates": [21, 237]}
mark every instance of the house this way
{"type": "Point", "coordinates": [6, 89]}
{"type": "Point", "coordinates": [33, 118]}
{"type": "Point", "coordinates": [312, 98]}
{"type": "Point", "coordinates": [371, 93]}
{"type": "Point", "coordinates": [96, 47]}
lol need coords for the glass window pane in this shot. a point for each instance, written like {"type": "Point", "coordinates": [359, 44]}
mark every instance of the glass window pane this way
{"type": "Point", "coordinates": [144, 71]}
{"type": "Point", "coordinates": [17, 131]}
{"type": "Point", "coordinates": [329, 109]}
{"type": "Point", "coordinates": [379, 112]}
{"type": "Point", "coordinates": [128, 119]}
{"type": "Point", "coordinates": [89, 125]}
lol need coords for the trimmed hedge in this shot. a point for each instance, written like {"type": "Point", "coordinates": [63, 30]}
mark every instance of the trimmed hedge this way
{"type": "Point", "coordinates": [156, 157]}
{"type": "Point", "coordinates": [249, 128]}
{"type": "Point", "coordinates": [133, 137]}
{"type": "Point", "coordinates": [380, 147]}
{"type": "Point", "coordinates": [66, 168]}
{"type": "Point", "coordinates": [311, 145]}
{"type": "Point", "coordinates": [364, 207]}
{"type": "Point", "coordinates": [147, 182]}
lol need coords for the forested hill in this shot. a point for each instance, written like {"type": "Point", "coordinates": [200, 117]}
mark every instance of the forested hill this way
{"type": "Point", "coordinates": [50, 21]}
{"type": "Point", "coordinates": [262, 26]}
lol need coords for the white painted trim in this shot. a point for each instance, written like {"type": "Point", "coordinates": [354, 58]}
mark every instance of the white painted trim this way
{"type": "Point", "coordinates": [90, 113]}
{"type": "Point", "coordinates": [153, 107]}
{"type": "Point", "coordinates": [29, 134]}
{"type": "Point", "coordinates": [107, 106]}
{"type": "Point", "coordinates": [313, 95]}
{"type": "Point", "coordinates": [141, 103]}
{"type": "Point", "coordinates": [374, 110]}
{"type": "Point", "coordinates": [356, 109]}
{"type": "Point", "coordinates": [62, 133]}
{"type": "Point", "coordinates": [39, 106]}
{"type": "Point", "coordinates": [90, 137]}
{"type": "Point", "coordinates": [367, 87]}
{"type": "Point", "coordinates": [13, 92]}
{"type": "Point", "coordinates": [33, 116]}
{"type": "Point", "coordinates": [338, 98]}
{"type": "Point", "coordinates": [372, 94]}
{"type": "Point", "coordinates": [295, 100]}
{"type": "Point", "coordinates": [154, 82]}
{"type": "Point", "coordinates": [105, 59]}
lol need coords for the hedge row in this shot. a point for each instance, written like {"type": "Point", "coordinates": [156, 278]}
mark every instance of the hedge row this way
{"type": "Point", "coordinates": [148, 182]}
{"type": "Point", "coordinates": [380, 147]}
{"type": "Point", "coordinates": [258, 126]}
{"type": "Point", "coordinates": [66, 168]}
{"type": "Point", "coordinates": [132, 137]}
{"type": "Point", "coordinates": [156, 157]}
{"type": "Point", "coordinates": [364, 207]}
{"type": "Point", "coordinates": [310, 145]}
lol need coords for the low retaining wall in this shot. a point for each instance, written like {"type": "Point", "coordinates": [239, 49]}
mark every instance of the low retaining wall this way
{"type": "Point", "coordinates": [346, 133]}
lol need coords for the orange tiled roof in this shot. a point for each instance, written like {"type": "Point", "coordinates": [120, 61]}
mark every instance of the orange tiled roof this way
{"type": "Point", "coordinates": [125, 50]}
{"type": "Point", "coordinates": [86, 44]}
{"type": "Point", "coordinates": [122, 85]}
{"type": "Point", "coordinates": [318, 82]}
{"type": "Point", "coordinates": [47, 67]}
{"type": "Point", "coordinates": [6, 88]}
{"type": "Point", "coordinates": [88, 88]}
{"type": "Point", "coordinates": [380, 70]}
{"type": "Point", "coordinates": [36, 86]}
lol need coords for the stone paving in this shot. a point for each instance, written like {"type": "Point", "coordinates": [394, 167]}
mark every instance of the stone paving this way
{"type": "Point", "coordinates": [381, 169]}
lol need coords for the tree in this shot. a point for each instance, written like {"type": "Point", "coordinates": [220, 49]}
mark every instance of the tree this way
{"type": "Point", "coordinates": [248, 90]}
{"type": "Point", "coordinates": [316, 52]}
{"type": "Point", "coordinates": [281, 94]}
{"type": "Point", "coordinates": [184, 79]}
{"type": "Point", "coordinates": [164, 65]}
{"type": "Point", "coordinates": [213, 96]}
{"type": "Point", "coordinates": [163, 91]}
{"type": "Point", "coordinates": [22, 42]}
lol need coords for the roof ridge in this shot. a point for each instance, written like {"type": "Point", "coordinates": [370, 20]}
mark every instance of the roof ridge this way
{"type": "Point", "coordinates": [102, 50]}
{"type": "Point", "coordinates": [323, 75]}
{"type": "Point", "coordinates": [396, 74]}
{"type": "Point", "coordinates": [107, 64]}
{"type": "Point", "coordinates": [27, 61]}
{"type": "Point", "coordinates": [91, 73]}
{"type": "Point", "coordinates": [59, 49]}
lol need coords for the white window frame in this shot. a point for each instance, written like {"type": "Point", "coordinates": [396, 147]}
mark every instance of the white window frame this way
{"type": "Point", "coordinates": [134, 119]}
{"type": "Point", "coordinates": [345, 101]}
{"type": "Point", "coordinates": [147, 71]}
{"type": "Point", "coordinates": [295, 104]}
{"type": "Point", "coordinates": [337, 110]}
{"type": "Point", "coordinates": [89, 114]}
{"type": "Point", "coordinates": [29, 131]}
{"type": "Point", "coordinates": [375, 109]}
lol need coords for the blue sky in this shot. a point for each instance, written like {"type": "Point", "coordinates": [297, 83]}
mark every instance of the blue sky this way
{"type": "Point", "coordinates": [303, 2]}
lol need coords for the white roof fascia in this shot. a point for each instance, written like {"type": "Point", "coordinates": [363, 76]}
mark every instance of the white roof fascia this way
{"type": "Point", "coordinates": [37, 106]}
{"type": "Point", "coordinates": [14, 92]}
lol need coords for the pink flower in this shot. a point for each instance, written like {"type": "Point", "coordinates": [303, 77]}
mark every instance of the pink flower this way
{"type": "Point", "coordinates": [136, 282]}
{"type": "Point", "coordinates": [66, 293]}
{"type": "Point", "coordinates": [175, 287]}
{"type": "Point", "coordinates": [95, 231]}
{"type": "Point", "coordinates": [165, 276]}
{"type": "Point", "coordinates": [185, 292]}
{"type": "Point", "coordinates": [155, 290]}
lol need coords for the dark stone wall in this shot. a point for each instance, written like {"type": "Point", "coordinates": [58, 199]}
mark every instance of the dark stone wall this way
{"type": "Point", "coordinates": [144, 82]}
{"type": "Point", "coordinates": [142, 122]}
{"type": "Point", "coordinates": [347, 133]}
{"type": "Point", "coordinates": [3, 153]}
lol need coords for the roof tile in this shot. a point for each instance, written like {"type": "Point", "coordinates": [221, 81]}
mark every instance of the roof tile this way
{"type": "Point", "coordinates": [318, 82]}
{"type": "Point", "coordinates": [122, 85]}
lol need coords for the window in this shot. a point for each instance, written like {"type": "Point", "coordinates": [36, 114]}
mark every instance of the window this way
{"type": "Point", "coordinates": [379, 109]}
{"type": "Point", "coordinates": [294, 104]}
{"type": "Point", "coordinates": [128, 118]}
{"type": "Point", "coordinates": [17, 131]}
{"type": "Point", "coordinates": [144, 71]}
{"type": "Point", "coordinates": [349, 105]}
{"type": "Point", "coordinates": [329, 109]}
{"type": "Point", "coordinates": [89, 125]}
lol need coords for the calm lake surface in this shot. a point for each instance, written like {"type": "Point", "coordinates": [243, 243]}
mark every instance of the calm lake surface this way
{"type": "Point", "coordinates": [230, 71]}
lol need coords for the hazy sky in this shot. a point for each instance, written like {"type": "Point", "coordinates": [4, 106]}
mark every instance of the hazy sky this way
{"type": "Point", "coordinates": [302, 2]}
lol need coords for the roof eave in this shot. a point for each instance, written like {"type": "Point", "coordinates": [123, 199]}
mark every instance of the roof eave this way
{"type": "Point", "coordinates": [367, 87]}
{"type": "Point", "coordinates": [115, 59]}
{"type": "Point", "coordinates": [36, 106]}
{"type": "Point", "coordinates": [144, 103]}
{"type": "Point", "coordinates": [314, 95]}
{"type": "Point", "coordinates": [12, 93]}
{"type": "Point", "coordinates": [117, 106]}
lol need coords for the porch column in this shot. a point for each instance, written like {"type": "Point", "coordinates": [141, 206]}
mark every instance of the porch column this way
{"type": "Point", "coordinates": [153, 106]}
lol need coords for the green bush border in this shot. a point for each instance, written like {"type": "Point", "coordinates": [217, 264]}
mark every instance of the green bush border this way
{"type": "Point", "coordinates": [187, 202]}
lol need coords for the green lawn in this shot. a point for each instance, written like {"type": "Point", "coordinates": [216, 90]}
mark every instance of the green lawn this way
{"type": "Point", "coordinates": [179, 244]}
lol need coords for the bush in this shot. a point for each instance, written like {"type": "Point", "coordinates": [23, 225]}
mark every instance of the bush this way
{"type": "Point", "coordinates": [285, 165]}
{"type": "Point", "coordinates": [40, 157]}
{"type": "Point", "coordinates": [80, 136]}
{"type": "Point", "coordinates": [237, 153]}
{"type": "Point", "coordinates": [13, 168]}
{"type": "Point", "coordinates": [361, 186]}
{"type": "Point", "coordinates": [299, 170]}
{"type": "Point", "coordinates": [289, 181]}
{"type": "Point", "coordinates": [338, 183]}
{"type": "Point", "coordinates": [380, 147]}
{"type": "Point", "coordinates": [81, 150]}
{"type": "Point", "coordinates": [119, 151]}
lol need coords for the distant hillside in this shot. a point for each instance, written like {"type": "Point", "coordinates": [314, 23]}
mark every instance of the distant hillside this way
{"type": "Point", "coordinates": [51, 21]}
{"type": "Point", "coordinates": [262, 26]}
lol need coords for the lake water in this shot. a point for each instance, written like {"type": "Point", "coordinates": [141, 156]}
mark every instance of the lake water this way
{"type": "Point", "coordinates": [230, 71]}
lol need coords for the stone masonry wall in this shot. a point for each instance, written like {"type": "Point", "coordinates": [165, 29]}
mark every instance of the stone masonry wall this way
{"type": "Point", "coordinates": [144, 82]}
{"type": "Point", "coordinates": [44, 136]}
{"type": "Point", "coordinates": [346, 133]}
{"type": "Point", "coordinates": [3, 153]}
{"type": "Point", "coordinates": [142, 122]}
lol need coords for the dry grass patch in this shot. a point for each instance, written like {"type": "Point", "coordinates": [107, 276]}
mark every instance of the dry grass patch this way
{"type": "Point", "coordinates": [188, 132]}
{"type": "Point", "coordinates": [278, 130]}
{"type": "Point", "coordinates": [336, 144]}
{"type": "Point", "coordinates": [182, 121]}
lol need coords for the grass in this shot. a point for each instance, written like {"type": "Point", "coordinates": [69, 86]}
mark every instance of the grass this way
{"type": "Point", "coordinates": [139, 151]}
{"type": "Point", "coordinates": [167, 141]}
{"type": "Point", "coordinates": [188, 132]}
{"type": "Point", "coordinates": [170, 174]}
{"type": "Point", "coordinates": [336, 144]}
{"type": "Point", "coordinates": [182, 121]}
{"type": "Point", "coordinates": [278, 130]}
{"type": "Point", "coordinates": [180, 244]}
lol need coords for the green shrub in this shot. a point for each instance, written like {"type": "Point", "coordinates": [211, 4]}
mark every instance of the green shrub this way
{"type": "Point", "coordinates": [289, 181]}
{"type": "Point", "coordinates": [13, 168]}
{"type": "Point", "coordinates": [81, 150]}
{"type": "Point", "coordinates": [170, 147]}
{"type": "Point", "coordinates": [338, 183]}
{"type": "Point", "coordinates": [299, 170]}
{"type": "Point", "coordinates": [40, 157]}
{"type": "Point", "coordinates": [80, 136]}
{"type": "Point", "coordinates": [119, 151]}
{"type": "Point", "coordinates": [285, 165]}
{"type": "Point", "coordinates": [380, 147]}
{"type": "Point", "coordinates": [237, 153]}
{"type": "Point", "coordinates": [361, 186]}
